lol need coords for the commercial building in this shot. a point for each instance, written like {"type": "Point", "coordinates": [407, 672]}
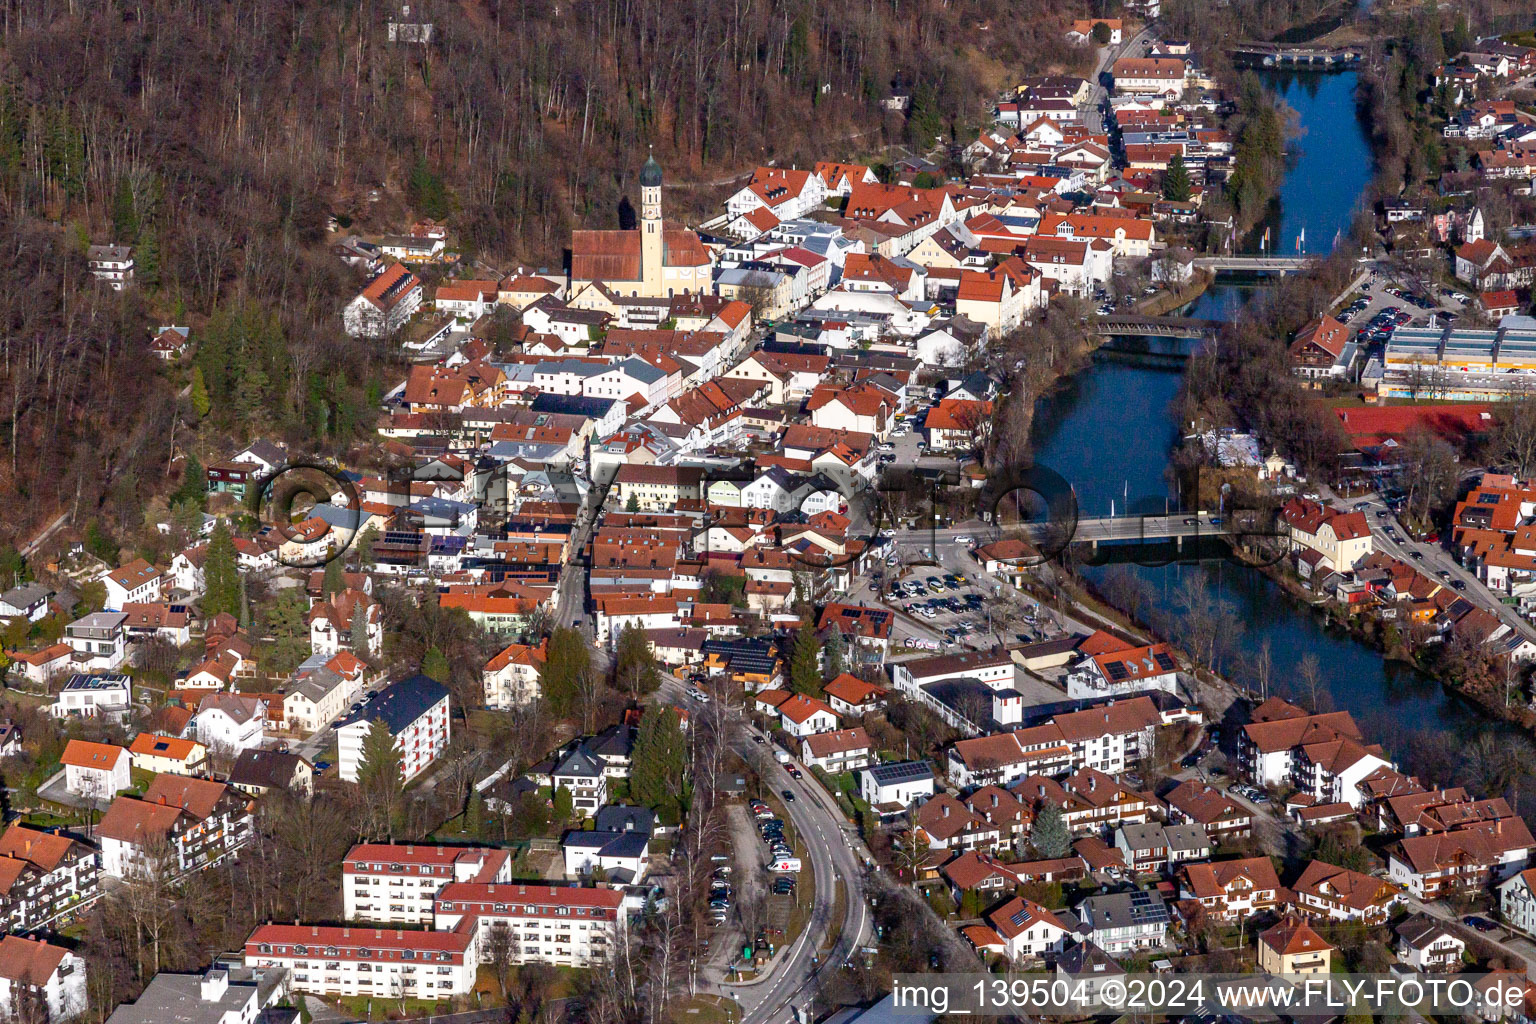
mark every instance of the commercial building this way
{"type": "Point", "coordinates": [1459, 364]}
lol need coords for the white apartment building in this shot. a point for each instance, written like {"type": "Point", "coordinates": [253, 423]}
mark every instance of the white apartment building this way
{"type": "Point", "coordinates": [384, 963]}
{"type": "Point", "coordinates": [50, 972]}
{"type": "Point", "coordinates": [415, 710]}
{"type": "Point", "coordinates": [561, 925]}
{"type": "Point", "coordinates": [397, 884]}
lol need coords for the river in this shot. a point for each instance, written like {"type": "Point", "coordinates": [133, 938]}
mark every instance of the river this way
{"type": "Point", "coordinates": [1110, 430]}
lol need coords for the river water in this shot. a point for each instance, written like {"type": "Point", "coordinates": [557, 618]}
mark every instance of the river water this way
{"type": "Point", "coordinates": [1110, 428]}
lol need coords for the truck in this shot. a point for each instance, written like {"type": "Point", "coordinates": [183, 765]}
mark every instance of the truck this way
{"type": "Point", "coordinates": [789, 864]}
{"type": "Point", "coordinates": [782, 756]}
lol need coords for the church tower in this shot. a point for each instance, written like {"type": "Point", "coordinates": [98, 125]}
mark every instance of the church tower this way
{"type": "Point", "coordinates": [652, 283]}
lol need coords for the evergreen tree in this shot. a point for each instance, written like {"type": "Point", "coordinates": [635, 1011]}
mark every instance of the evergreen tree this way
{"type": "Point", "coordinates": [286, 622]}
{"type": "Point", "coordinates": [365, 543]}
{"type": "Point", "coordinates": [201, 403]}
{"type": "Point", "coordinates": [567, 664]}
{"type": "Point", "coordinates": [435, 665]}
{"type": "Point", "coordinates": [146, 258]}
{"type": "Point", "coordinates": [1176, 180]}
{"type": "Point", "coordinates": [805, 662]}
{"type": "Point", "coordinates": [660, 762]}
{"type": "Point", "coordinates": [378, 777]}
{"type": "Point", "coordinates": [333, 582]}
{"type": "Point", "coordinates": [125, 219]}
{"type": "Point", "coordinates": [221, 574]}
{"type": "Point", "coordinates": [194, 482]}
{"type": "Point", "coordinates": [1049, 835]}
{"type": "Point", "coordinates": [564, 807]}
{"type": "Point", "coordinates": [836, 651]}
{"type": "Point", "coordinates": [632, 505]}
{"type": "Point", "coordinates": [362, 648]}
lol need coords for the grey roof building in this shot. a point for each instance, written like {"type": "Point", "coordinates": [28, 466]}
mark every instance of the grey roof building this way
{"type": "Point", "coordinates": [219, 996]}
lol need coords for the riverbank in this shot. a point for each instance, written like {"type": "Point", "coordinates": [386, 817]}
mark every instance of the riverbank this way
{"type": "Point", "coordinates": [1388, 642]}
{"type": "Point", "coordinates": [1165, 301]}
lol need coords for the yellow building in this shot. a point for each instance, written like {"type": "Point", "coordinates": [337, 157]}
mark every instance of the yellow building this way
{"type": "Point", "coordinates": [1292, 947]}
{"type": "Point", "coordinates": [654, 262]}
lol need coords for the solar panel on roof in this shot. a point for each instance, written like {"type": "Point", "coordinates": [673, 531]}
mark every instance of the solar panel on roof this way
{"type": "Point", "coordinates": [1164, 661]}
{"type": "Point", "coordinates": [1020, 916]}
{"type": "Point", "coordinates": [1117, 671]}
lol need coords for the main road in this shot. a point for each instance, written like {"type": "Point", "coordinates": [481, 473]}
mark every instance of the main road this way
{"type": "Point", "coordinates": [836, 855]}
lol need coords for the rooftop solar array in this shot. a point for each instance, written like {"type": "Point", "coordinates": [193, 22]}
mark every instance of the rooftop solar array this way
{"type": "Point", "coordinates": [901, 771]}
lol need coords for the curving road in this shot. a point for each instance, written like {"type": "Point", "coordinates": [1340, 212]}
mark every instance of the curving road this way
{"type": "Point", "coordinates": [836, 854]}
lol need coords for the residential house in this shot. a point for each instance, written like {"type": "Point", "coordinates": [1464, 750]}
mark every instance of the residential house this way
{"type": "Point", "coordinates": [1292, 947]}
{"type": "Point", "coordinates": [1323, 349]}
{"type": "Point", "coordinates": [1341, 539]}
{"type": "Point", "coordinates": [95, 771]}
{"type": "Point", "coordinates": [850, 696]}
{"type": "Point", "coordinates": [259, 772]}
{"type": "Point", "coordinates": [1339, 894]}
{"type": "Point", "coordinates": [1231, 889]}
{"type": "Point", "coordinates": [1154, 847]}
{"type": "Point", "coordinates": [896, 785]}
{"type": "Point", "coordinates": [1223, 818]}
{"type": "Point", "coordinates": [25, 601]}
{"type": "Point", "coordinates": [1028, 930]}
{"type": "Point", "coordinates": [584, 777]}
{"type": "Point", "coordinates": [621, 856]}
{"type": "Point", "coordinates": [331, 628]}
{"type": "Point", "coordinates": [100, 641]}
{"type": "Point", "coordinates": [511, 677]}
{"type": "Point", "coordinates": [171, 755]}
{"type": "Point", "coordinates": [209, 998]}
{"type": "Point", "coordinates": [136, 582]}
{"type": "Point", "coordinates": [1122, 922]}
{"type": "Point", "coordinates": [1429, 944]}
{"type": "Point", "coordinates": [1517, 901]}
{"type": "Point", "coordinates": [229, 723]}
{"type": "Point", "coordinates": [840, 750]}
{"type": "Point", "coordinates": [89, 695]}
{"type": "Point", "coordinates": [112, 264]}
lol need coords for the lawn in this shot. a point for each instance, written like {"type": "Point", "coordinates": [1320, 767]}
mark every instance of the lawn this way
{"type": "Point", "coordinates": [706, 1010]}
{"type": "Point", "coordinates": [366, 1008]}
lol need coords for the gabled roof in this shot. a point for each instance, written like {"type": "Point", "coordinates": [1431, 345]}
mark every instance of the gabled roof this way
{"type": "Point", "coordinates": [1293, 936]}
{"type": "Point", "coordinates": [83, 754]}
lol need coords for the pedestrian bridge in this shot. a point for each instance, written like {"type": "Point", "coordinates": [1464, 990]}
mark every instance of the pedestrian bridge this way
{"type": "Point", "coordinates": [1161, 326]}
{"type": "Point", "coordinates": [1253, 264]}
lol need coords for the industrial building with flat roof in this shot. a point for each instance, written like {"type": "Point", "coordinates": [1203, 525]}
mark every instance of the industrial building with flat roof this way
{"type": "Point", "coordinates": [1461, 365]}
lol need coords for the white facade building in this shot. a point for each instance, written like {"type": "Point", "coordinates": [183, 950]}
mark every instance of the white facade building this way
{"type": "Point", "coordinates": [415, 711]}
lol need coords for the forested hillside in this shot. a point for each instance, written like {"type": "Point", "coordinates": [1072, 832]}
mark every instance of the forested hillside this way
{"type": "Point", "coordinates": [219, 137]}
